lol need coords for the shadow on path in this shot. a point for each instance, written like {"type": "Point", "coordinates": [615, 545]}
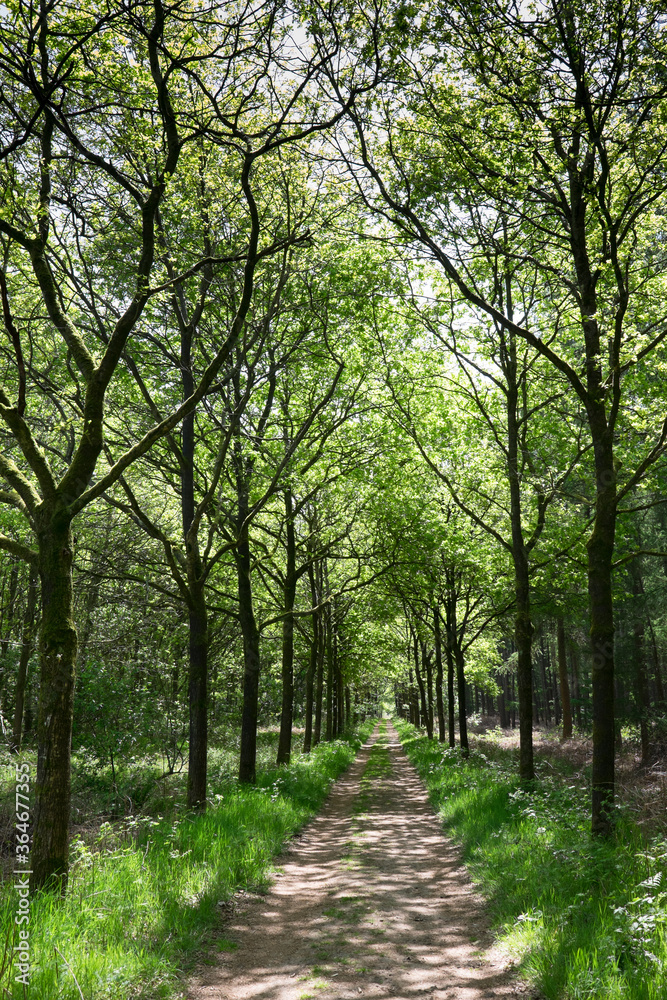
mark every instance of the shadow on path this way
{"type": "Point", "coordinates": [372, 900]}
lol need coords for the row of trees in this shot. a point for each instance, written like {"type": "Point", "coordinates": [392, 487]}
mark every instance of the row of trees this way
{"type": "Point", "coordinates": [338, 328]}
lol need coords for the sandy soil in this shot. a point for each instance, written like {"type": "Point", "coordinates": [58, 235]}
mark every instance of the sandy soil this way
{"type": "Point", "coordinates": [371, 900]}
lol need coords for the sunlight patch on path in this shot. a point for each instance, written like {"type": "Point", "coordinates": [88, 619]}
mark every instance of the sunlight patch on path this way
{"type": "Point", "coordinates": [372, 901]}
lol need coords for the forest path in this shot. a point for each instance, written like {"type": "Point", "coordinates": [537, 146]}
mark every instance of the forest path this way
{"type": "Point", "coordinates": [371, 901]}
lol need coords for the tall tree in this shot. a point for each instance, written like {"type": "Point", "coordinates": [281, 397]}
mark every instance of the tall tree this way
{"type": "Point", "coordinates": [102, 106]}
{"type": "Point", "coordinates": [552, 120]}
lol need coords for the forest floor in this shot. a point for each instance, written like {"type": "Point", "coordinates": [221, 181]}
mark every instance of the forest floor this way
{"type": "Point", "coordinates": [640, 788]}
{"type": "Point", "coordinates": [370, 900]}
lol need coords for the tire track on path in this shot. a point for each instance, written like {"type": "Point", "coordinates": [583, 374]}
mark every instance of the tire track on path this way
{"type": "Point", "coordinates": [372, 901]}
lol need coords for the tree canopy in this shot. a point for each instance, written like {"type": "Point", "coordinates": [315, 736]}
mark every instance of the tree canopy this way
{"type": "Point", "coordinates": [332, 369]}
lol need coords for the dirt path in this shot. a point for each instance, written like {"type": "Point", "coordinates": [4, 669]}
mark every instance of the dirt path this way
{"type": "Point", "coordinates": [371, 901]}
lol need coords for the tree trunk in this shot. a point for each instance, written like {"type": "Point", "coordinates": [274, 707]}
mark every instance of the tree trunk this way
{"type": "Point", "coordinates": [600, 555]}
{"type": "Point", "coordinates": [340, 692]}
{"type": "Point", "coordinates": [197, 611]}
{"type": "Point", "coordinates": [539, 716]}
{"type": "Point", "coordinates": [564, 684]}
{"type": "Point", "coordinates": [523, 626]}
{"type": "Point", "coordinates": [642, 692]}
{"type": "Point", "coordinates": [312, 664]}
{"type": "Point", "coordinates": [427, 663]}
{"type": "Point", "coordinates": [319, 686]}
{"type": "Point", "coordinates": [641, 678]}
{"type": "Point", "coordinates": [523, 637]}
{"type": "Point", "coordinates": [554, 683]}
{"type": "Point", "coordinates": [251, 664]}
{"type": "Point", "coordinates": [442, 736]}
{"type": "Point", "coordinates": [574, 656]}
{"type": "Point", "coordinates": [197, 697]}
{"type": "Point", "coordinates": [461, 684]}
{"type": "Point", "coordinates": [58, 648]}
{"type": "Point", "coordinates": [308, 712]}
{"type": "Point", "coordinates": [289, 593]}
{"type": "Point", "coordinates": [92, 602]}
{"type": "Point", "coordinates": [451, 703]}
{"type": "Point", "coordinates": [331, 701]}
{"type": "Point", "coordinates": [502, 705]}
{"type": "Point", "coordinates": [9, 610]}
{"type": "Point", "coordinates": [545, 683]}
{"type": "Point", "coordinates": [657, 674]}
{"type": "Point", "coordinates": [422, 691]}
{"type": "Point", "coordinates": [26, 650]}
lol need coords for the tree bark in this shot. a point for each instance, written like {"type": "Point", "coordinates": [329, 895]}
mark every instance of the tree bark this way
{"type": "Point", "coordinates": [312, 663]}
{"type": "Point", "coordinates": [600, 555]}
{"type": "Point", "coordinates": [545, 684]}
{"type": "Point", "coordinates": [340, 696]}
{"type": "Point", "coordinates": [442, 736]}
{"type": "Point", "coordinates": [26, 650]}
{"type": "Point", "coordinates": [461, 684]}
{"type": "Point", "coordinates": [9, 609]}
{"type": "Point", "coordinates": [197, 697]}
{"type": "Point", "coordinates": [657, 673]}
{"type": "Point", "coordinates": [319, 686]}
{"type": "Point", "coordinates": [422, 691]}
{"type": "Point", "coordinates": [523, 626]}
{"type": "Point", "coordinates": [289, 593]}
{"type": "Point", "coordinates": [251, 663]}
{"type": "Point", "coordinates": [331, 701]}
{"type": "Point", "coordinates": [578, 707]}
{"type": "Point", "coordinates": [428, 665]}
{"type": "Point", "coordinates": [196, 599]}
{"type": "Point", "coordinates": [502, 706]}
{"type": "Point", "coordinates": [58, 648]}
{"type": "Point", "coordinates": [564, 683]}
{"type": "Point", "coordinates": [641, 678]}
{"type": "Point", "coordinates": [413, 694]}
{"type": "Point", "coordinates": [555, 687]}
{"type": "Point", "coordinates": [451, 709]}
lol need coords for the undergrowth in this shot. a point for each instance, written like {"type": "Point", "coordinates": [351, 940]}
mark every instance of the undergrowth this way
{"type": "Point", "coordinates": [584, 919]}
{"type": "Point", "coordinates": [145, 896]}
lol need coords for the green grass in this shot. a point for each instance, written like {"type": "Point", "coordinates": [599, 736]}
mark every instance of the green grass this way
{"type": "Point", "coordinates": [584, 919]}
{"type": "Point", "coordinates": [141, 785]}
{"type": "Point", "coordinates": [144, 899]}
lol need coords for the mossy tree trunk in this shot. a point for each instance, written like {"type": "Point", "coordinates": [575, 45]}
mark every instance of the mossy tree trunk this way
{"type": "Point", "coordinates": [422, 689]}
{"type": "Point", "coordinates": [197, 697]}
{"type": "Point", "coordinates": [442, 736]}
{"type": "Point", "coordinates": [251, 662]}
{"type": "Point", "coordinates": [58, 649]}
{"type": "Point", "coordinates": [289, 595]}
{"type": "Point", "coordinates": [427, 663]}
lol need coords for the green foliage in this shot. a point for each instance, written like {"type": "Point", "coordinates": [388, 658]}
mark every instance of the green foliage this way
{"type": "Point", "coordinates": [123, 711]}
{"type": "Point", "coordinates": [585, 919]}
